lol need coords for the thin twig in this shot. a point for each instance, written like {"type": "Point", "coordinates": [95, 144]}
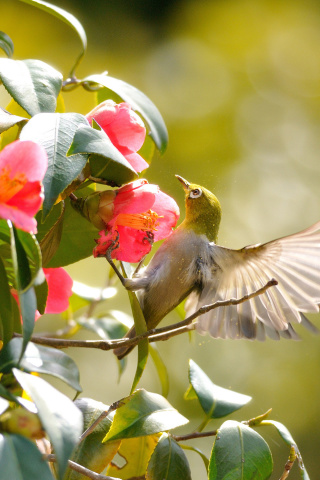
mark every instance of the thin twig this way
{"type": "Point", "coordinates": [190, 436]}
{"type": "Point", "coordinates": [103, 415]}
{"type": "Point", "coordinates": [79, 468]}
{"type": "Point", "coordinates": [155, 334]}
{"type": "Point", "coordinates": [288, 466]}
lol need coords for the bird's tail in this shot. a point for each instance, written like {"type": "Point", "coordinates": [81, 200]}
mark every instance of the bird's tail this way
{"type": "Point", "coordinates": [123, 351]}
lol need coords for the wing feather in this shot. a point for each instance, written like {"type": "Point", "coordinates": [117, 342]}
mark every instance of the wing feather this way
{"type": "Point", "coordinates": [294, 261]}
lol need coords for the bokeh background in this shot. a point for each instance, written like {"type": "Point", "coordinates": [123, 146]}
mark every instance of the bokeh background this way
{"type": "Point", "coordinates": [238, 84]}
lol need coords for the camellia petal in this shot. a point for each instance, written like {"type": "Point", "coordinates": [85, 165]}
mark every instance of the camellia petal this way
{"type": "Point", "coordinates": [22, 167]}
{"type": "Point", "coordinates": [168, 212]}
{"type": "Point", "coordinates": [124, 128]}
{"type": "Point", "coordinates": [59, 289]}
{"type": "Point", "coordinates": [135, 197]}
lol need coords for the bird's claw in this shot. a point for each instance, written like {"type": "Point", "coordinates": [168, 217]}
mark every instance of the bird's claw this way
{"type": "Point", "coordinates": [149, 238]}
{"type": "Point", "coordinates": [113, 246]}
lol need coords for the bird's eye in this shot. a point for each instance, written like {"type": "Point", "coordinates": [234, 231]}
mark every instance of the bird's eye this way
{"type": "Point", "coordinates": [195, 193]}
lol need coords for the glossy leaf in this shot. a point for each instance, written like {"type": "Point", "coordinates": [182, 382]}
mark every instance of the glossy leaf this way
{"type": "Point", "coordinates": [161, 370]}
{"type": "Point", "coordinates": [50, 242]}
{"type": "Point", "coordinates": [107, 162]}
{"type": "Point", "coordinates": [38, 358]}
{"type": "Point", "coordinates": [6, 307]}
{"type": "Point", "coordinates": [215, 401]}
{"type": "Point", "coordinates": [33, 84]}
{"type": "Point", "coordinates": [4, 404]}
{"type": "Point", "coordinates": [6, 44]}
{"type": "Point", "coordinates": [91, 452]}
{"type": "Point", "coordinates": [168, 461]}
{"type": "Point", "coordinates": [27, 296]}
{"type": "Point", "coordinates": [67, 18]}
{"type": "Point", "coordinates": [7, 120]}
{"type": "Point", "coordinates": [143, 413]}
{"type": "Point", "coordinates": [61, 419]}
{"type": "Point", "coordinates": [239, 453]}
{"type": "Point", "coordinates": [55, 131]}
{"type": "Point", "coordinates": [136, 452]}
{"type": "Point", "coordinates": [20, 459]}
{"type": "Point", "coordinates": [140, 326]}
{"type": "Point", "coordinates": [139, 102]}
{"type": "Point", "coordinates": [288, 439]}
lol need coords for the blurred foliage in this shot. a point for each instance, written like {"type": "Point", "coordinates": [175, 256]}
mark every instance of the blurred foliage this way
{"type": "Point", "coordinates": [238, 84]}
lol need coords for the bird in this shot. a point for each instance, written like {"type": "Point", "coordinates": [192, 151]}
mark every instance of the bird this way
{"type": "Point", "coordinates": [190, 264]}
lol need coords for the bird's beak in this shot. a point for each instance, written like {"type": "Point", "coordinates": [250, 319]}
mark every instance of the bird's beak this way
{"type": "Point", "coordinates": [184, 183]}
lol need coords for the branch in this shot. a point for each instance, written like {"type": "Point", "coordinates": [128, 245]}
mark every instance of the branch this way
{"type": "Point", "coordinates": [190, 436]}
{"type": "Point", "coordinates": [155, 334]}
{"type": "Point", "coordinates": [79, 468]}
{"type": "Point", "coordinates": [103, 415]}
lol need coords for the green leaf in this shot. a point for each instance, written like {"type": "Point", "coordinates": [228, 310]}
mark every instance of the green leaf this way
{"type": "Point", "coordinates": [6, 44]}
{"type": "Point", "coordinates": [168, 461]}
{"type": "Point", "coordinates": [51, 240]}
{"type": "Point", "coordinates": [215, 401]}
{"type": "Point", "coordinates": [41, 290]}
{"type": "Point", "coordinates": [139, 102]}
{"type": "Point", "coordinates": [4, 404]}
{"type": "Point", "coordinates": [140, 326]}
{"type": "Point", "coordinates": [143, 413]}
{"type": "Point", "coordinates": [77, 239]}
{"type": "Point", "coordinates": [33, 84]}
{"type": "Point", "coordinates": [104, 326]}
{"type": "Point", "coordinates": [27, 296]}
{"type": "Point", "coordinates": [198, 451]}
{"type": "Point", "coordinates": [55, 131]}
{"type": "Point", "coordinates": [161, 370]}
{"type": "Point", "coordinates": [136, 452]}
{"type": "Point", "coordinates": [7, 120]}
{"type": "Point", "coordinates": [288, 439]}
{"type": "Point", "coordinates": [20, 459]}
{"type": "Point", "coordinates": [91, 452]}
{"type": "Point", "coordinates": [67, 18]}
{"type": "Point", "coordinates": [6, 307]}
{"type": "Point", "coordinates": [38, 358]}
{"type": "Point", "coordinates": [107, 163]}
{"type": "Point", "coordinates": [61, 419]}
{"type": "Point", "coordinates": [239, 453]}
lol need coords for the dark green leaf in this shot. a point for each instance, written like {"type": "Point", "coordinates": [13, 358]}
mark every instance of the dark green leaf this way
{"type": "Point", "coordinates": [6, 307]}
{"type": "Point", "coordinates": [28, 307]}
{"type": "Point", "coordinates": [6, 44]}
{"type": "Point", "coordinates": [20, 459]}
{"type": "Point", "coordinates": [139, 102]}
{"type": "Point", "coordinates": [198, 451]}
{"type": "Point", "coordinates": [67, 18]}
{"type": "Point", "coordinates": [215, 401]}
{"type": "Point", "coordinates": [50, 242]}
{"type": "Point", "coordinates": [55, 131]}
{"type": "Point", "coordinates": [107, 162]}
{"type": "Point", "coordinates": [288, 439]}
{"type": "Point", "coordinates": [77, 239]}
{"type": "Point", "coordinates": [7, 120]}
{"type": "Point", "coordinates": [4, 404]}
{"type": "Point", "coordinates": [33, 84]}
{"type": "Point", "coordinates": [61, 419]}
{"type": "Point", "coordinates": [92, 453]}
{"type": "Point", "coordinates": [168, 461]}
{"type": "Point", "coordinates": [41, 291]}
{"type": "Point", "coordinates": [239, 453]}
{"type": "Point", "coordinates": [38, 358]}
{"type": "Point", "coordinates": [143, 413]}
{"type": "Point", "coordinates": [32, 251]}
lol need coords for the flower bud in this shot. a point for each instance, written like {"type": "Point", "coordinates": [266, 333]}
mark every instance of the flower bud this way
{"type": "Point", "coordinates": [97, 207]}
{"type": "Point", "coordinates": [23, 422]}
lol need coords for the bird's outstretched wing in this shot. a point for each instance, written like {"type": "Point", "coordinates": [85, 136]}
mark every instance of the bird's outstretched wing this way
{"type": "Point", "coordinates": [294, 261]}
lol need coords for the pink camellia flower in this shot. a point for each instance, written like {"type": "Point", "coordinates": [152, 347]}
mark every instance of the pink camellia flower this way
{"type": "Point", "coordinates": [23, 165]}
{"type": "Point", "coordinates": [124, 128]}
{"type": "Point", "coordinates": [59, 290]}
{"type": "Point", "coordinates": [138, 212]}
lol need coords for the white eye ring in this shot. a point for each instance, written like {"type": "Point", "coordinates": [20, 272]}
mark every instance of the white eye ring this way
{"type": "Point", "coordinates": [197, 192]}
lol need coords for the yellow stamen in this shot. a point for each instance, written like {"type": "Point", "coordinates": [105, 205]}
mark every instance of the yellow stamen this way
{"type": "Point", "coordinates": [146, 221]}
{"type": "Point", "coordinates": [10, 186]}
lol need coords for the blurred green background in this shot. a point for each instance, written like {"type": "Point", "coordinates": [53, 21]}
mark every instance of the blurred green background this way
{"type": "Point", "coordinates": [238, 84]}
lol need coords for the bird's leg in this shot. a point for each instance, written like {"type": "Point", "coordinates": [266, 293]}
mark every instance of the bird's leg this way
{"type": "Point", "coordinates": [150, 239]}
{"type": "Point", "coordinates": [113, 246]}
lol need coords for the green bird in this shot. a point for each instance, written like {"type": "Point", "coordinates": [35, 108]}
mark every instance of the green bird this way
{"type": "Point", "coordinates": [190, 264]}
